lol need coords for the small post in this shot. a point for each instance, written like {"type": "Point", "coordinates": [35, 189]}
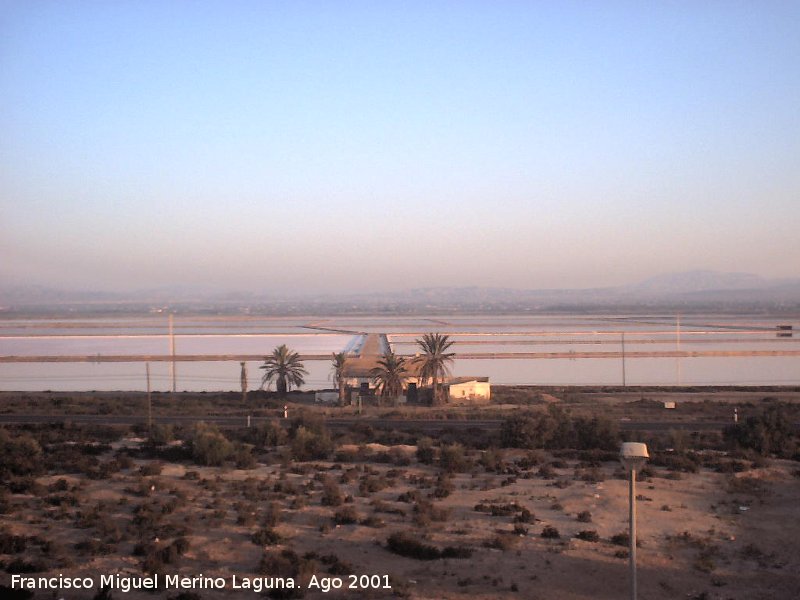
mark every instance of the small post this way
{"type": "Point", "coordinates": [248, 421]}
{"type": "Point", "coordinates": [735, 415]}
{"type": "Point", "coordinates": [285, 411]}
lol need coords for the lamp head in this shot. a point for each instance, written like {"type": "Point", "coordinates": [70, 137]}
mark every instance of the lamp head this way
{"type": "Point", "coordinates": [633, 455]}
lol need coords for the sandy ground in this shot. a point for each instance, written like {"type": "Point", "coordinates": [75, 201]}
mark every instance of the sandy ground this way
{"type": "Point", "coordinates": [704, 535]}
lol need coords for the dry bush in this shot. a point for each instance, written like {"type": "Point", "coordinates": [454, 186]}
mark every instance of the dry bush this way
{"type": "Point", "coordinates": [410, 547]}
{"type": "Point", "coordinates": [444, 486]}
{"type": "Point", "coordinates": [266, 536]}
{"type": "Point", "coordinates": [347, 515]}
{"type": "Point", "coordinates": [504, 541]}
{"type": "Point", "coordinates": [426, 512]}
{"type": "Point", "coordinates": [209, 446]}
{"type": "Point", "coordinates": [287, 563]}
{"type": "Point", "coordinates": [244, 458]}
{"type": "Point", "coordinates": [369, 484]}
{"type": "Point", "coordinates": [151, 469]}
{"type": "Point", "coordinates": [331, 492]}
{"type": "Point", "coordinates": [502, 510]}
{"type": "Point", "coordinates": [426, 452]}
{"type": "Point", "coordinates": [453, 459]}
{"type": "Point", "coordinates": [20, 455]}
{"type": "Point", "coordinates": [549, 532]}
{"type": "Point", "coordinates": [336, 566]}
{"type": "Point", "coordinates": [622, 538]}
{"type": "Point", "coordinates": [588, 535]}
{"type": "Point", "coordinates": [373, 521]}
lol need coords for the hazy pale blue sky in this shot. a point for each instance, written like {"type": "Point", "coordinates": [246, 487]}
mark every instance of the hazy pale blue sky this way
{"type": "Point", "coordinates": [307, 146]}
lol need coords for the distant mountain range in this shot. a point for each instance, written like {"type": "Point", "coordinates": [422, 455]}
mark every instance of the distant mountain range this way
{"type": "Point", "coordinates": [682, 288]}
{"type": "Point", "coordinates": [692, 290]}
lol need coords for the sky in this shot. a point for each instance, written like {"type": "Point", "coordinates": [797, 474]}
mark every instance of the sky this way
{"type": "Point", "coordinates": [333, 146]}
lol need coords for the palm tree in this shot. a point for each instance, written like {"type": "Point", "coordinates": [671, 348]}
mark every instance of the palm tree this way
{"type": "Point", "coordinates": [338, 361]}
{"type": "Point", "coordinates": [434, 362]}
{"type": "Point", "coordinates": [389, 375]}
{"type": "Point", "coordinates": [285, 367]}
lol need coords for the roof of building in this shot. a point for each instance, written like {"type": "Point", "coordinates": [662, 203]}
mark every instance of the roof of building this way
{"type": "Point", "coordinates": [466, 379]}
{"type": "Point", "coordinates": [371, 351]}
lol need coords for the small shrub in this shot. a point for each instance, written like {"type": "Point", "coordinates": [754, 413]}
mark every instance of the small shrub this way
{"type": "Point", "coordinates": [336, 566]}
{"type": "Point", "coordinates": [209, 446]}
{"type": "Point", "coordinates": [12, 544]}
{"type": "Point", "coordinates": [346, 515]}
{"type": "Point", "coordinates": [161, 434]}
{"type": "Point", "coordinates": [373, 521]}
{"type": "Point", "coordinates": [524, 516]}
{"type": "Point", "coordinates": [287, 564]}
{"type": "Point", "coordinates": [308, 444]}
{"type": "Point", "coordinates": [426, 453]}
{"type": "Point", "coordinates": [426, 512]}
{"type": "Point", "coordinates": [266, 536]}
{"type": "Point", "coordinates": [405, 545]}
{"type": "Point", "coordinates": [272, 516]}
{"type": "Point", "coordinates": [151, 469]}
{"type": "Point", "coordinates": [621, 539]}
{"type": "Point", "coordinates": [369, 484]}
{"type": "Point", "coordinates": [588, 535]}
{"type": "Point", "coordinates": [244, 458]}
{"type": "Point", "coordinates": [452, 459]}
{"type": "Point", "coordinates": [331, 493]}
{"type": "Point", "coordinates": [551, 533]}
{"type": "Point", "coordinates": [503, 541]}
{"type": "Point", "coordinates": [584, 516]}
{"type": "Point", "coordinates": [456, 552]}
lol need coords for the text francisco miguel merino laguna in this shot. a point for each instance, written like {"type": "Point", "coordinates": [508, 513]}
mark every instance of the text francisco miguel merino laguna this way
{"type": "Point", "coordinates": [126, 583]}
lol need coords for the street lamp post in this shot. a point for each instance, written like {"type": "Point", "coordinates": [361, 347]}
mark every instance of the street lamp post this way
{"type": "Point", "coordinates": [633, 456]}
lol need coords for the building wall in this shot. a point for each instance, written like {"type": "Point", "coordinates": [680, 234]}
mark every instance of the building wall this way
{"type": "Point", "coordinates": [470, 390]}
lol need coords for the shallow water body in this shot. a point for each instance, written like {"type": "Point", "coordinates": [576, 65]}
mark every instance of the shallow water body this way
{"type": "Point", "coordinates": [570, 341]}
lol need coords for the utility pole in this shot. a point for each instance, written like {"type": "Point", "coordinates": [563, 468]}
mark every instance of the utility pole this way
{"type": "Point", "coordinates": [243, 379]}
{"type": "Point", "coordinates": [632, 532]}
{"type": "Point", "coordinates": [678, 347]}
{"type": "Point", "coordinates": [149, 402]}
{"type": "Point", "coordinates": [623, 360]}
{"type": "Point", "coordinates": [172, 353]}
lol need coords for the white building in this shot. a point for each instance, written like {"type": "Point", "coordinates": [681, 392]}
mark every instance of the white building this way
{"type": "Point", "coordinates": [472, 389]}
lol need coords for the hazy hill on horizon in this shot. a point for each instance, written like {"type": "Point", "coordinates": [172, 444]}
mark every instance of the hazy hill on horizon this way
{"type": "Point", "coordinates": [698, 288]}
